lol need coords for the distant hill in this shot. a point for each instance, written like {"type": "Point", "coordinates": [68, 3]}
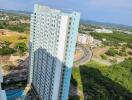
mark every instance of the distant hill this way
{"type": "Point", "coordinates": [25, 13]}
{"type": "Point", "coordinates": [107, 25]}
{"type": "Point", "coordinates": [88, 22]}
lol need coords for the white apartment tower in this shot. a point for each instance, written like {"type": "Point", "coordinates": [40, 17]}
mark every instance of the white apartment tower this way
{"type": "Point", "coordinates": [2, 92]}
{"type": "Point", "coordinates": [52, 45]}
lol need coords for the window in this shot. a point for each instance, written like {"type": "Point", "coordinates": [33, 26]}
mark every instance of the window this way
{"type": "Point", "coordinates": [59, 22]}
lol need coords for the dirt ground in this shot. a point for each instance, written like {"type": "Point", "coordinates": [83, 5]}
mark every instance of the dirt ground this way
{"type": "Point", "coordinates": [101, 50]}
{"type": "Point", "coordinates": [11, 36]}
{"type": "Point", "coordinates": [4, 32]}
{"type": "Point", "coordinates": [98, 51]}
{"type": "Point", "coordinates": [78, 54]}
{"type": "Point", "coordinates": [15, 61]}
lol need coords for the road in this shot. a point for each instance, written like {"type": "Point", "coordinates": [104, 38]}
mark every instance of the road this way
{"type": "Point", "coordinates": [87, 56]}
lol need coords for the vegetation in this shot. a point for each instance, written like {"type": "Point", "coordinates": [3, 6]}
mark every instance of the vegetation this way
{"type": "Point", "coordinates": [15, 38]}
{"type": "Point", "coordinates": [130, 46]}
{"type": "Point", "coordinates": [129, 58]}
{"type": "Point", "coordinates": [74, 98]}
{"type": "Point", "coordinates": [130, 53]}
{"type": "Point", "coordinates": [111, 52]}
{"type": "Point", "coordinates": [121, 53]}
{"type": "Point", "coordinates": [22, 37]}
{"type": "Point", "coordinates": [87, 28]}
{"type": "Point", "coordinates": [2, 24]}
{"type": "Point", "coordinates": [7, 51]}
{"type": "Point", "coordinates": [14, 27]}
{"type": "Point", "coordinates": [21, 47]}
{"type": "Point", "coordinates": [8, 67]}
{"type": "Point", "coordinates": [115, 37]}
{"type": "Point", "coordinates": [103, 56]}
{"type": "Point", "coordinates": [113, 60]}
{"type": "Point", "coordinates": [76, 81]}
{"type": "Point", "coordinates": [101, 82]}
{"type": "Point", "coordinates": [18, 28]}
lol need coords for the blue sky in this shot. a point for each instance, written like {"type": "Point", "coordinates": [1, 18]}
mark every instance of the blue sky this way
{"type": "Point", "coordinates": [113, 11]}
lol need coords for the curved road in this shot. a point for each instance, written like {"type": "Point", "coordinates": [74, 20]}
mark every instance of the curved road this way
{"type": "Point", "coordinates": [87, 56]}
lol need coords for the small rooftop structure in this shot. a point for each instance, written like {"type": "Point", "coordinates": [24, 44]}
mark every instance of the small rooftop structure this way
{"type": "Point", "coordinates": [39, 8]}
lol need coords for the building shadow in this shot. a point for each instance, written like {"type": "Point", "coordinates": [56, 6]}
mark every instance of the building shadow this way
{"type": "Point", "coordinates": [16, 80]}
{"type": "Point", "coordinates": [73, 95]}
{"type": "Point", "coordinates": [98, 87]}
{"type": "Point", "coordinates": [17, 77]}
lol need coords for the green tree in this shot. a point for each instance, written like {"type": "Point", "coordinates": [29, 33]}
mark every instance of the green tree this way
{"type": "Point", "coordinates": [7, 51]}
{"type": "Point", "coordinates": [103, 56]}
{"type": "Point", "coordinates": [111, 52]}
{"type": "Point", "coordinates": [21, 47]}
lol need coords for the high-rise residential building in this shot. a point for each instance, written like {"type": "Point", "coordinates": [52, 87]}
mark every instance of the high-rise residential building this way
{"type": "Point", "coordinates": [52, 45]}
{"type": "Point", "coordinates": [2, 92]}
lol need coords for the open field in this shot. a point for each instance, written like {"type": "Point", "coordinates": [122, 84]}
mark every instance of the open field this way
{"type": "Point", "coordinates": [112, 54]}
{"type": "Point", "coordinates": [99, 50]}
{"type": "Point", "coordinates": [13, 37]}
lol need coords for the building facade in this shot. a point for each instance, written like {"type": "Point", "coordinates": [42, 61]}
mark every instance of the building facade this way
{"type": "Point", "coordinates": [52, 45]}
{"type": "Point", "coordinates": [2, 92]}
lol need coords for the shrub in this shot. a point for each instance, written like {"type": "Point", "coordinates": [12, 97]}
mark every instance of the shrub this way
{"type": "Point", "coordinates": [130, 58]}
{"type": "Point", "coordinates": [21, 47]}
{"type": "Point", "coordinates": [130, 52]}
{"type": "Point", "coordinates": [22, 37]}
{"type": "Point", "coordinates": [122, 53]}
{"type": "Point", "coordinates": [113, 60]}
{"type": "Point", "coordinates": [130, 46]}
{"type": "Point", "coordinates": [8, 67]}
{"type": "Point", "coordinates": [7, 51]}
{"type": "Point", "coordinates": [111, 52]}
{"type": "Point", "coordinates": [103, 56]}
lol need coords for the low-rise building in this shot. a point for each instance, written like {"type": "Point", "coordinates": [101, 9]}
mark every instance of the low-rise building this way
{"type": "Point", "coordinates": [103, 30]}
{"type": "Point", "coordinates": [24, 21]}
{"type": "Point", "coordinates": [85, 39]}
{"type": "Point", "coordinates": [96, 43]}
{"type": "Point", "coordinates": [4, 18]}
{"type": "Point", "coordinates": [14, 22]}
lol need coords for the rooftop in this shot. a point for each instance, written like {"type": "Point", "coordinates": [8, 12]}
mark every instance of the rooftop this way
{"type": "Point", "coordinates": [41, 8]}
